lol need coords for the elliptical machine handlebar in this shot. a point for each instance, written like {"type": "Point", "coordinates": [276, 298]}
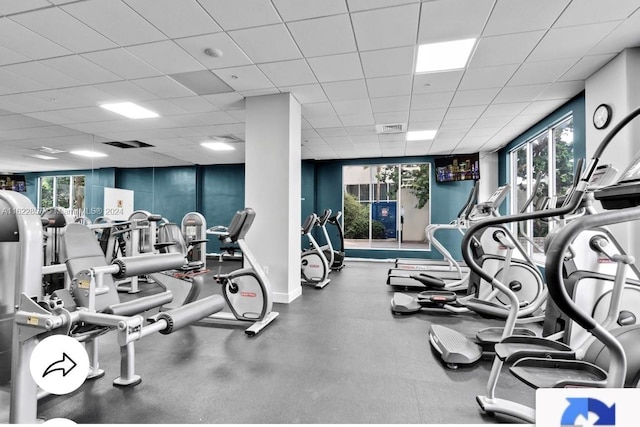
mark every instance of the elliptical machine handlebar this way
{"type": "Point", "coordinates": [574, 201]}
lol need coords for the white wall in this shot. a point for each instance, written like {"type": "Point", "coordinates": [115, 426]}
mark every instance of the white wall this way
{"type": "Point", "coordinates": [616, 84]}
{"type": "Point", "coordinates": [488, 175]}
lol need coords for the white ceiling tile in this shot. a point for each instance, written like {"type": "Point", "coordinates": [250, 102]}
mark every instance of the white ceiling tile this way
{"type": "Point", "coordinates": [586, 66]}
{"type": "Point", "coordinates": [364, 140]}
{"type": "Point", "coordinates": [16, 121]}
{"type": "Point", "coordinates": [226, 101]}
{"type": "Point", "coordinates": [361, 130]}
{"type": "Point", "coordinates": [248, 77]}
{"type": "Point", "coordinates": [387, 62]}
{"type": "Point", "coordinates": [337, 67]}
{"type": "Point", "coordinates": [125, 91]}
{"type": "Point", "coordinates": [324, 36]}
{"type": "Point", "coordinates": [436, 82]}
{"type": "Point", "coordinates": [562, 90]}
{"type": "Point", "coordinates": [592, 11]}
{"type": "Point", "coordinates": [76, 115]}
{"type": "Point", "coordinates": [474, 97]}
{"type": "Point", "coordinates": [7, 56]}
{"type": "Point", "coordinates": [162, 107]}
{"type": "Point", "coordinates": [346, 91]}
{"type": "Point", "coordinates": [431, 100]}
{"type": "Point", "coordinates": [14, 83]}
{"type": "Point", "coordinates": [394, 117]}
{"type": "Point", "coordinates": [293, 10]}
{"type": "Point", "coordinates": [166, 56]}
{"type": "Point", "coordinates": [541, 71]}
{"type": "Point", "coordinates": [392, 140]}
{"type": "Point", "coordinates": [216, 118]}
{"type": "Point", "coordinates": [518, 16]}
{"type": "Point", "coordinates": [390, 104]}
{"type": "Point", "coordinates": [38, 72]}
{"type": "Point", "coordinates": [318, 109]}
{"type": "Point", "coordinates": [115, 20]}
{"type": "Point", "coordinates": [504, 50]}
{"type": "Point", "coordinates": [338, 140]}
{"type": "Point", "coordinates": [232, 15]}
{"type": "Point", "coordinates": [465, 20]}
{"type": "Point", "coordinates": [7, 7]}
{"type": "Point", "coordinates": [28, 43]}
{"type": "Point", "coordinates": [623, 36]}
{"type": "Point", "coordinates": [232, 55]}
{"type": "Point", "coordinates": [570, 42]}
{"type": "Point", "coordinates": [523, 122]}
{"type": "Point", "coordinates": [325, 122]}
{"type": "Point", "coordinates": [485, 132]}
{"type": "Point", "coordinates": [520, 93]}
{"type": "Point", "coordinates": [259, 92]}
{"type": "Point", "coordinates": [471, 112]}
{"type": "Point", "coordinates": [426, 119]}
{"type": "Point", "coordinates": [357, 5]}
{"type": "Point", "coordinates": [81, 69]}
{"type": "Point", "coordinates": [542, 107]}
{"type": "Point", "coordinates": [176, 19]}
{"type": "Point", "coordinates": [491, 122]}
{"type": "Point", "coordinates": [505, 110]}
{"type": "Point", "coordinates": [309, 133]}
{"type": "Point", "coordinates": [266, 44]}
{"type": "Point", "coordinates": [306, 94]}
{"type": "Point", "coordinates": [332, 132]}
{"type": "Point", "coordinates": [389, 86]}
{"type": "Point", "coordinates": [359, 119]}
{"type": "Point", "coordinates": [163, 87]}
{"type": "Point", "coordinates": [360, 106]}
{"type": "Point", "coordinates": [63, 29]}
{"type": "Point", "coordinates": [193, 104]}
{"type": "Point", "coordinates": [122, 62]}
{"type": "Point", "coordinates": [457, 124]}
{"type": "Point", "coordinates": [386, 28]}
{"type": "Point", "coordinates": [488, 77]}
{"type": "Point", "coordinates": [288, 73]}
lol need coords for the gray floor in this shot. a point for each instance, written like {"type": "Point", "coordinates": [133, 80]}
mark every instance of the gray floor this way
{"type": "Point", "coordinates": [335, 355]}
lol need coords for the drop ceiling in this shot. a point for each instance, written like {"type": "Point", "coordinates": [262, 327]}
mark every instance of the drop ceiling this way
{"type": "Point", "coordinates": [348, 62]}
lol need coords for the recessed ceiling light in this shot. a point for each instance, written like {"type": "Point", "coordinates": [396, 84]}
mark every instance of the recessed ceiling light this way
{"type": "Point", "coordinates": [43, 157]}
{"type": "Point", "coordinates": [130, 110]}
{"type": "Point", "coordinates": [217, 146]}
{"type": "Point", "coordinates": [444, 56]}
{"type": "Point", "coordinates": [421, 135]}
{"type": "Point", "coordinates": [88, 153]}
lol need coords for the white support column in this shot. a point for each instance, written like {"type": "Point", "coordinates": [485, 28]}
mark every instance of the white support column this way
{"type": "Point", "coordinates": [273, 189]}
{"type": "Point", "coordinates": [616, 84]}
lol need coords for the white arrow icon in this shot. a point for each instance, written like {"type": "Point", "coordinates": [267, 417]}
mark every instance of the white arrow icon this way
{"type": "Point", "coordinates": [66, 365]}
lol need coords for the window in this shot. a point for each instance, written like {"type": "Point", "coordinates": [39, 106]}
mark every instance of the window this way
{"type": "Point", "coordinates": [550, 156]}
{"type": "Point", "coordinates": [386, 206]}
{"type": "Point", "coordinates": [65, 192]}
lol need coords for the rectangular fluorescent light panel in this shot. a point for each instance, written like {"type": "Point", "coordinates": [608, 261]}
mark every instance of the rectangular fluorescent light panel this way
{"type": "Point", "coordinates": [444, 56]}
{"type": "Point", "coordinates": [130, 110]}
{"type": "Point", "coordinates": [217, 146]}
{"type": "Point", "coordinates": [88, 153]}
{"type": "Point", "coordinates": [421, 135]}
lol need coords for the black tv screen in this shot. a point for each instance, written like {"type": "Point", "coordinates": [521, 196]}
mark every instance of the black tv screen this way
{"type": "Point", "coordinates": [13, 182]}
{"type": "Point", "coordinates": [460, 167]}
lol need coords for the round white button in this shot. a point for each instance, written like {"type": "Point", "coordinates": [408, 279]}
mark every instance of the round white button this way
{"type": "Point", "coordinates": [59, 364]}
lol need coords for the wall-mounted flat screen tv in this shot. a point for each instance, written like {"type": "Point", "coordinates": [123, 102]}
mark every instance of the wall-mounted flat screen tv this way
{"type": "Point", "coordinates": [13, 182]}
{"type": "Point", "coordinates": [459, 167]}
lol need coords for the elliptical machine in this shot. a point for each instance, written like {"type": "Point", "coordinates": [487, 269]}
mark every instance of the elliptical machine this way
{"type": "Point", "coordinates": [314, 267]}
{"type": "Point", "coordinates": [338, 255]}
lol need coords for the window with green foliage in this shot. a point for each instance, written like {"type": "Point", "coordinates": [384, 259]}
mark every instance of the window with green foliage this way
{"type": "Point", "coordinates": [549, 157]}
{"type": "Point", "coordinates": [386, 206]}
{"type": "Point", "coordinates": [65, 191]}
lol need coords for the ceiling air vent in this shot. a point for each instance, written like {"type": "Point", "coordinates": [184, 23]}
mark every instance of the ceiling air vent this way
{"type": "Point", "coordinates": [391, 128]}
{"type": "Point", "coordinates": [50, 150]}
{"type": "Point", "coordinates": [128, 144]}
{"type": "Point", "coordinates": [229, 139]}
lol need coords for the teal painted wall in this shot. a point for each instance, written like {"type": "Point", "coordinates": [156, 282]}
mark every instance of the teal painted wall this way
{"type": "Point", "coordinates": [222, 195]}
{"type": "Point", "coordinates": [575, 106]}
{"type": "Point", "coordinates": [95, 182]}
